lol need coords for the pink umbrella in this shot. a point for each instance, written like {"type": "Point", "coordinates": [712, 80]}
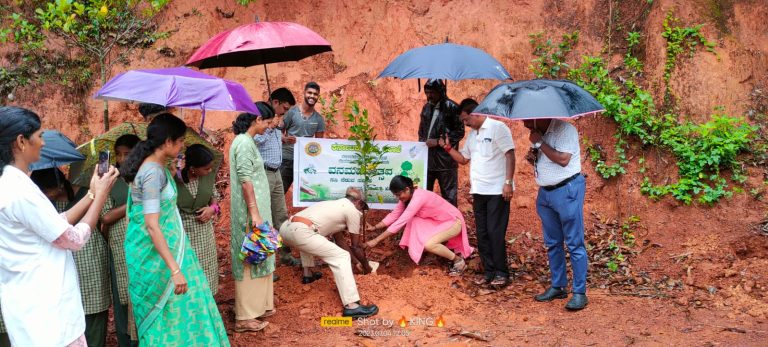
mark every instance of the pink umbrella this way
{"type": "Point", "coordinates": [259, 43]}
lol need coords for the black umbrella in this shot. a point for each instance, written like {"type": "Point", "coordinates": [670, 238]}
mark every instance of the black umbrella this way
{"type": "Point", "coordinates": [58, 150]}
{"type": "Point", "coordinates": [537, 99]}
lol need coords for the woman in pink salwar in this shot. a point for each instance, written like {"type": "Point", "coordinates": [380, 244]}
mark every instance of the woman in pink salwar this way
{"type": "Point", "coordinates": [429, 221]}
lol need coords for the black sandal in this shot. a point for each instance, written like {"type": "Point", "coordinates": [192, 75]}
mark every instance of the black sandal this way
{"type": "Point", "coordinates": [456, 269]}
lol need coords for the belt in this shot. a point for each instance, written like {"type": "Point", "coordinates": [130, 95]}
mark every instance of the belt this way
{"type": "Point", "coordinates": [305, 221]}
{"type": "Point", "coordinates": [562, 183]}
{"type": "Point", "coordinates": [270, 169]}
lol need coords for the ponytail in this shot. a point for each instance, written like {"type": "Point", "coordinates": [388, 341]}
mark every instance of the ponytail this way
{"type": "Point", "coordinates": [163, 128]}
{"type": "Point", "coordinates": [14, 121]}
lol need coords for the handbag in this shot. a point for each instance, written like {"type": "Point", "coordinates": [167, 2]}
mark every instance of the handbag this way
{"type": "Point", "coordinates": [260, 243]}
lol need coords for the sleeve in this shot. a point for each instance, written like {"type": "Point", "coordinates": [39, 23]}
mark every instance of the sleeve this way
{"type": "Point", "coordinates": [353, 220]}
{"type": "Point", "coordinates": [454, 126]}
{"type": "Point", "coordinates": [38, 215]}
{"type": "Point", "coordinates": [74, 237]}
{"type": "Point", "coordinates": [261, 138]}
{"type": "Point", "coordinates": [568, 140]}
{"type": "Point", "coordinates": [288, 120]}
{"type": "Point", "coordinates": [504, 138]}
{"type": "Point", "coordinates": [320, 123]}
{"type": "Point", "coordinates": [392, 216]}
{"type": "Point", "coordinates": [152, 183]}
{"type": "Point", "coordinates": [465, 151]}
{"type": "Point", "coordinates": [423, 124]}
{"type": "Point", "coordinates": [417, 201]}
{"type": "Point", "coordinates": [244, 162]}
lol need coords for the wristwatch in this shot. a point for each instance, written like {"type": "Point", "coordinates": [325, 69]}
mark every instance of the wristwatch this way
{"type": "Point", "coordinates": [511, 183]}
{"type": "Point", "coordinates": [91, 195]}
{"type": "Point", "coordinates": [537, 145]}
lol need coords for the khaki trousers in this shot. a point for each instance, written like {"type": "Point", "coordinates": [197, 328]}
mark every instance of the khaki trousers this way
{"type": "Point", "coordinates": [277, 197]}
{"type": "Point", "coordinates": [312, 244]}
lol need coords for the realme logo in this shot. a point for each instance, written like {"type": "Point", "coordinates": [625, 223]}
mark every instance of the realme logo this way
{"type": "Point", "coordinates": [335, 322]}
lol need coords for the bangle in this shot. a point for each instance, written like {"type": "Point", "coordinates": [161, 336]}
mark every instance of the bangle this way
{"type": "Point", "coordinates": [176, 272]}
{"type": "Point", "coordinates": [252, 204]}
{"type": "Point", "coordinates": [91, 195]}
{"type": "Point", "coordinates": [448, 148]}
{"type": "Point", "coordinates": [216, 208]}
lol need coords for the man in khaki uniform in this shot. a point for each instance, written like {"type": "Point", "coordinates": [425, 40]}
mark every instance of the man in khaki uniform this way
{"type": "Point", "coordinates": [308, 231]}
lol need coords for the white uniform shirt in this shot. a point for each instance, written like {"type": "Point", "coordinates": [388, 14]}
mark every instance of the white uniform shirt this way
{"type": "Point", "coordinates": [486, 149]}
{"type": "Point", "coordinates": [563, 137]}
{"type": "Point", "coordinates": [39, 294]}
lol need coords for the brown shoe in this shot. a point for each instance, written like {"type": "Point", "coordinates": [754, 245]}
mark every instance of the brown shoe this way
{"type": "Point", "coordinates": [250, 325]}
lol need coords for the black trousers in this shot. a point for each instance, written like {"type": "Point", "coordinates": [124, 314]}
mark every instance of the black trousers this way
{"type": "Point", "coordinates": [286, 173]}
{"type": "Point", "coordinates": [491, 220]}
{"type": "Point", "coordinates": [449, 184]}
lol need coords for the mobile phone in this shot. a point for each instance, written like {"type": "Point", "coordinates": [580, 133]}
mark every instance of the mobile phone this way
{"type": "Point", "coordinates": [103, 165]}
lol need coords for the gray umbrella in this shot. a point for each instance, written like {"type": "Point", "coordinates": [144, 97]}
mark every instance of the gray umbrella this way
{"type": "Point", "coordinates": [538, 99]}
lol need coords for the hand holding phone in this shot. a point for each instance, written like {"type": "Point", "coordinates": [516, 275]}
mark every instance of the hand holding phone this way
{"type": "Point", "coordinates": [103, 165]}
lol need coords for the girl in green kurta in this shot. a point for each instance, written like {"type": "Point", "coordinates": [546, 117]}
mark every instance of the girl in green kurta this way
{"type": "Point", "coordinates": [250, 205]}
{"type": "Point", "coordinates": [198, 204]}
{"type": "Point", "coordinates": [171, 300]}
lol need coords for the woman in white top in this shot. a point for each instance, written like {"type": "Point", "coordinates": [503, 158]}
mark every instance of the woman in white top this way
{"type": "Point", "coordinates": [39, 295]}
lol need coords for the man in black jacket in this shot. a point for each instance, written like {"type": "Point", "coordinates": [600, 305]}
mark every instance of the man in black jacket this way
{"type": "Point", "coordinates": [440, 119]}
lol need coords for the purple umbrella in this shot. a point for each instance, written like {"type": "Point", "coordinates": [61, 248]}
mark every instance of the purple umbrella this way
{"type": "Point", "coordinates": [178, 87]}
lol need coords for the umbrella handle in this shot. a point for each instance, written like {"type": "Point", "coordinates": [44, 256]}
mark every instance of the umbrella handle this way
{"type": "Point", "coordinates": [202, 122]}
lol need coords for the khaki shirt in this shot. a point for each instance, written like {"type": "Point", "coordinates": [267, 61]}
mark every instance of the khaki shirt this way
{"type": "Point", "coordinates": [333, 216]}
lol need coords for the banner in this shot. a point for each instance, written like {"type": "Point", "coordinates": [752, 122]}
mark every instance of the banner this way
{"type": "Point", "coordinates": [324, 168]}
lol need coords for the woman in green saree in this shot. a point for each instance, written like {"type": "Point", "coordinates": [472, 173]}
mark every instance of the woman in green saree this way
{"type": "Point", "coordinates": [198, 204]}
{"type": "Point", "coordinates": [171, 300]}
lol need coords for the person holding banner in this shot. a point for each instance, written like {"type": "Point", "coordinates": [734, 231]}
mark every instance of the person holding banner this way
{"type": "Point", "coordinates": [300, 121]}
{"type": "Point", "coordinates": [429, 221]}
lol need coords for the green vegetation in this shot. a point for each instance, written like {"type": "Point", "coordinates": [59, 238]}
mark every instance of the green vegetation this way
{"type": "Point", "coordinates": [550, 61]}
{"type": "Point", "coordinates": [329, 110]}
{"type": "Point", "coordinates": [702, 151]}
{"type": "Point", "coordinates": [95, 33]}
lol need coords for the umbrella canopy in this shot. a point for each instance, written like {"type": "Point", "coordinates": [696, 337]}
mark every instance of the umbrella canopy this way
{"type": "Point", "coordinates": [259, 43]}
{"type": "Point", "coordinates": [535, 99]}
{"type": "Point", "coordinates": [178, 87]}
{"type": "Point", "coordinates": [446, 61]}
{"type": "Point", "coordinates": [58, 150]}
{"type": "Point", "coordinates": [106, 142]}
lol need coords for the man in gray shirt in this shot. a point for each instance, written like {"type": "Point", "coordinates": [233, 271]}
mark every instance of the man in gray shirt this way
{"type": "Point", "coordinates": [300, 121]}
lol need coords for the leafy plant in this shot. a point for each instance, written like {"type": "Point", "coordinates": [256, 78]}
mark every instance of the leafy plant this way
{"type": "Point", "coordinates": [369, 155]}
{"type": "Point", "coordinates": [329, 110]}
{"type": "Point", "coordinates": [679, 40]}
{"type": "Point", "coordinates": [550, 61]}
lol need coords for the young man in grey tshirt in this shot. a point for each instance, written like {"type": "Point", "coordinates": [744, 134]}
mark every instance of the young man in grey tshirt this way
{"type": "Point", "coordinates": [300, 121]}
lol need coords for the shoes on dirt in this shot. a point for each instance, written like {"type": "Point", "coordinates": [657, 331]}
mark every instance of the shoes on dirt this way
{"type": "Point", "coordinates": [361, 311]}
{"type": "Point", "coordinates": [309, 279]}
{"type": "Point", "coordinates": [552, 293]}
{"type": "Point", "coordinates": [577, 302]}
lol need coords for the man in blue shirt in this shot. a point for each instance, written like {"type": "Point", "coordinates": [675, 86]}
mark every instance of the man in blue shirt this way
{"type": "Point", "coordinates": [270, 148]}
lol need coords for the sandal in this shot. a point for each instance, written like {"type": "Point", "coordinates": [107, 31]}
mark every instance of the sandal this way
{"type": "Point", "coordinates": [309, 279]}
{"type": "Point", "coordinates": [269, 313]}
{"type": "Point", "coordinates": [250, 325]}
{"type": "Point", "coordinates": [289, 260]}
{"type": "Point", "coordinates": [499, 281]}
{"type": "Point", "coordinates": [457, 268]}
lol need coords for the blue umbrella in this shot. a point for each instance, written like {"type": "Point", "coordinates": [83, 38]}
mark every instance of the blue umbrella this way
{"type": "Point", "coordinates": [58, 150]}
{"type": "Point", "coordinates": [536, 99]}
{"type": "Point", "coordinates": [446, 61]}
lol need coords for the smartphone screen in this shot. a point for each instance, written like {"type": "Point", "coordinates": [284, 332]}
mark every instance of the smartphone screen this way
{"type": "Point", "coordinates": [103, 162]}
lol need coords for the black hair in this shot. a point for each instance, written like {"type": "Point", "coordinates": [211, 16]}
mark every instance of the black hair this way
{"type": "Point", "coordinates": [164, 127]}
{"type": "Point", "coordinates": [147, 109]}
{"type": "Point", "coordinates": [243, 122]}
{"type": "Point", "coordinates": [127, 140]}
{"type": "Point", "coordinates": [196, 155]}
{"type": "Point", "coordinates": [467, 105]}
{"type": "Point", "coordinates": [400, 183]}
{"type": "Point", "coordinates": [14, 121]}
{"type": "Point", "coordinates": [266, 110]}
{"type": "Point", "coordinates": [435, 84]}
{"type": "Point", "coordinates": [312, 85]}
{"type": "Point", "coordinates": [52, 178]}
{"type": "Point", "coordinates": [283, 95]}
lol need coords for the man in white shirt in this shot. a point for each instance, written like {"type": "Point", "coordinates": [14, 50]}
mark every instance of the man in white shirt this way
{"type": "Point", "coordinates": [560, 204]}
{"type": "Point", "coordinates": [490, 151]}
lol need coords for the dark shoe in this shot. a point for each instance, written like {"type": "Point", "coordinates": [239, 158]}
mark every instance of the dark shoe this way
{"type": "Point", "coordinates": [577, 302]}
{"type": "Point", "coordinates": [361, 311]}
{"type": "Point", "coordinates": [485, 280]}
{"type": "Point", "coordinates": [289, 260]}
{"type": "Point", "coordinates": [500, 281]}
{"type": "Point", "coordinates": [309, 279]}
{"type": "Point", "coordinates": [552, 293]}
